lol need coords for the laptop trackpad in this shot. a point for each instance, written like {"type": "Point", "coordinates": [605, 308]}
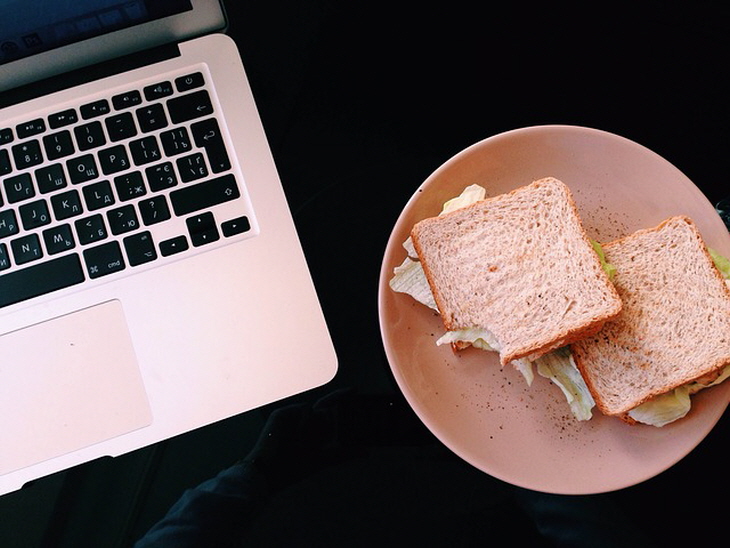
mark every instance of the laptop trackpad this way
{"type": "Point", "coordinates": [66, 384]}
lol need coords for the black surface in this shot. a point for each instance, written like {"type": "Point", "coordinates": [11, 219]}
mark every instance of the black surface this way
{"type": "Point", "coordinates": [361, 103]}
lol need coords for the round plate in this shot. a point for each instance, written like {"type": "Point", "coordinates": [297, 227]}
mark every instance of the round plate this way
{"type": "Point", "coordinates": [487, 415]}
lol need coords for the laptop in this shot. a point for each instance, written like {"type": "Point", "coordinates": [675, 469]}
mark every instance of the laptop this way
{"type": "Point", "coordinates": [151, 278]}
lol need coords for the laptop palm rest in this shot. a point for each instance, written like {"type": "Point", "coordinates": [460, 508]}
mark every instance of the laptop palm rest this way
{"type": "Point", "coordinates": [66, 384]}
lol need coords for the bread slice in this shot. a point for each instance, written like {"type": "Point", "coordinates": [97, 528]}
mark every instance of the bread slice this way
{"type": "Point", "coordinates": [675, 324]}
{"type": "Point", "coordinates": [519, 265]}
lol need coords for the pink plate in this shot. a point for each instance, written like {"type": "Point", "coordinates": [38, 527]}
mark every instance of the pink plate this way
{"type": "Point", "coordinates": [489, 416]}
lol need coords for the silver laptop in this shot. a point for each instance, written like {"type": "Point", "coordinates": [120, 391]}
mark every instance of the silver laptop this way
{"type": "Point", "coordinates": [151, 279]}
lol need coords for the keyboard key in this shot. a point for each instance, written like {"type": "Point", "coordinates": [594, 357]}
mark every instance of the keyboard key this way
{"type": "Point", "coordinates": [6, 136]}
{"type": "Point", "coordinates": [5, 165]}
{"type": "Point", "coordinates": [158, 91]}
{"type": "Point", "coordinates": [189, 81]}
{"type": "Point", "coordinates": [207, 135]}
{"type": "Point", "coordinates": [91, 229]}
{"type": "Point", "coordinates": [174, 246]}
{"type": "Point", "coordinates": [40, 279]}
{"type": "Point", "coordinates": [113, 160]}
{"type": "Point", "coordinates": [58, 145]}
{"type": "Point", "coordinates": [192, 167]}
{"type": "Point", "coordinates": [145, 150]}
{"type": "Point", "coordinates": [66, 205]}
{"type": "Point", "coordinates": [160, 177]}
{"type": "Point", "coordinates": [130, 186]}
{"type": "Point", "coordinates": [62, 119]}
{"type": "Point", "coordinates": [127, 100]}
{"type": "Point", "coordinates": [19, 188]}
{"type": "Point", "coordinates": [26, 249]}
{"type": "Point", "coordinates": [4, 257]}
{"type": "Point", "coordinates": [82, 169]}
{"type": "Point", "coordinates": [58, 239]}
{"type": "Point", "coordinates": [98, 195]}
{"type": "Point", "coordinates": [34, 214]}
{"type": "Point", "coordinates": [202, 229]}
{"type": "Point", "coordinates": [151, 118]}
{"type": "Point", "coordinates": [51, 178]}
{"type": "Point", "coordinates": [140, 248]}
{"type": "Point", "coordinates": [30, 128]}
{"type": "Point", "coordinates": [123, 219]}
{"type": "Point", "coordinates": [176, 141]}
{"type": "Point", "coordinates": [154, 210]}
{"type": "Point", "coordinates": [190, 106]}
{"type": "Point", "coordinates": [90, 136]}
{"type": "Point", "coordinates": [27, 154]}
{"type": "Point", "coordinates": [8, 223]}
{"type": "Point", "coordinates": [204, 195]}
{"type": "Point", "coordinates": [236, 226]}
{"type": "Point", "coordinates": [97, 108]}
{"type": "Point", "coordinates": [120, 127]}
{"type": "Point", "coordinates": [104, 259]}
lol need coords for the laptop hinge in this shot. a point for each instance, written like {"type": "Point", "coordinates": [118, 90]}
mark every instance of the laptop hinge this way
{"type": "Point", "coordinates": [88, 74]}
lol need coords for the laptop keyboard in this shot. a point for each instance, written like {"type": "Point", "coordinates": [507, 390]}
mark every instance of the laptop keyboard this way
{"type": "Point", "coordinates": [115, 185]}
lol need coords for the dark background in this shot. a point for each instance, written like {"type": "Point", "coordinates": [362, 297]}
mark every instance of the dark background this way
{"type": "Point", "coordinates": [361, 102]}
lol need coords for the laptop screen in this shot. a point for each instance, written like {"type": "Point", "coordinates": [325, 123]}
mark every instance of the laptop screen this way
{"type": "Point", "coordinates": [29, 28]}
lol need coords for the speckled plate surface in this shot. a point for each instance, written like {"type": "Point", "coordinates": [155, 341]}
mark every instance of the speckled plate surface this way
{"type": "Point", "coordinates": [489, 416]}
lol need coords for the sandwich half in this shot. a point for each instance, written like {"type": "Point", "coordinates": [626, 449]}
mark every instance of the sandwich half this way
{"type": "Point", "coordinates": [518, 268]}
{"type": "Point", "coordinates": [672, 337]}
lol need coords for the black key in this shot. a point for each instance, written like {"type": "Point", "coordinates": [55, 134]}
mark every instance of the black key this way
{"type": "Point", "coordinates": [190, 106]}
{"type": "Point", "coordinates": [4, 257]}
{"type": "Point", "coordinates": [113, 160]}
{"type": "Point", "coordinates": [126, 100]}
{"type": "Point", "coordinates": [151, 117]}
{"type": "Point", "coordinates": [130, 185]}
{"type": "Point", "coordinates": [91, 229]}
{"type": "Point", "coordinates": [27, 154]}
{"type": "Point", "coordinates": [202, 229]}
{"type": "Point", "coordinates": [90, 135]}
{"type": "Point", "coordinates": [161, 176]}
{"type": "Point", "coordinates": [58, 145]}
{"type": "Point", "coordinates": [5, 165]}
{"type": "Point", "coordinates": [145, 150]}
{"type": "Point", "coordinates": [6, 136]}
{"type": "Point", "coordinates": [174, 246]}
{"type": "Point", "coordinates": [104, 259]}
{"type": "Point", "coordinates": [204, 195]}
{"type": "Point", "coordinates": [40, 279]}
{"type": "Point", "coordinates": [154, 210]}
{"type": "Point", "coordinates": [58, 239]}
{"type": "Point", "coordinates": [50, 178]}
{"type": "Point", "coordinates": [19, 188]}
{"type": "Point", "coordinates": [158, 91]}
{"type": "Point", "coordinates": [26, 249]}
{"type": "Point", "coordinates": [97, 108]}
{"type": "Point", "coordinates": [140, 248]}
{"type": "Point", "coordinates": [66, 205]}
{"type": "Point", "coordinates": [121, 127]}
{"type": "Point", "coordinates": [207, 135]}
{"type": "Point", "coordinates": [123, 219]}
{"type": "Point", "coordinates": [98, 195]}
{"type": "Point", "coordinates": [189, 81]}
{"type": "Point", "coordinates": [82, 169]}
{"type": "Point", "coordinates": [176, 141]}
{"type": "Point", "coordinates": [8, 223]}
{"type": "Point", "coordinates": [30, 128]}
{"type": "Point", "coordinates": [62, 119]}
{"type": "Point", "coordinates": [192, 167]}
{"type": "Point", "coordinates": [34, 214]}
{"type": "Point", "coordinates": [236, 226]}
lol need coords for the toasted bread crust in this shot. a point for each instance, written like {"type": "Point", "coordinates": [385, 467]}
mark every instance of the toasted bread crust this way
{"type": "Point", "coordinates": [508, 273]}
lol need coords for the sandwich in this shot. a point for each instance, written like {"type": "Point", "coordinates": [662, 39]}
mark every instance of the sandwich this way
{"type": "Point", "coordinates": [515, 274]}
{"type": "Point", "coordinates": [672, 337]}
